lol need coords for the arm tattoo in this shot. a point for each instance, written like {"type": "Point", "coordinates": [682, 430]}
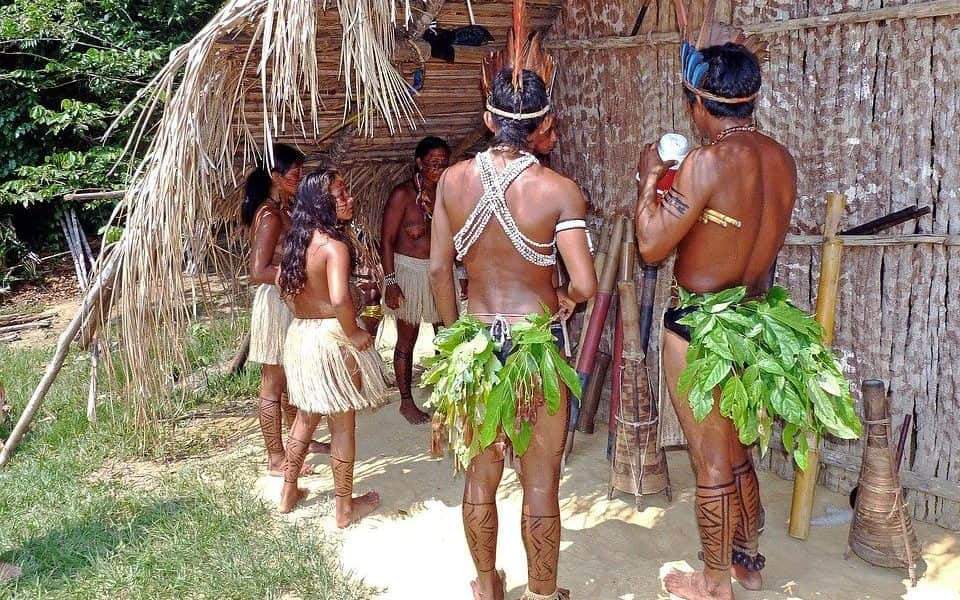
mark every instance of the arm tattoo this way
{"type": "Point", "coordinates": [675, 203]}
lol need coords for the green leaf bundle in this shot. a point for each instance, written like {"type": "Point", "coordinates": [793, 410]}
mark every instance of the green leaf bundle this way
{"type": "Point", "coordinates": [477, 397]}
{"type": "Point", "coordinates": [768, 359]}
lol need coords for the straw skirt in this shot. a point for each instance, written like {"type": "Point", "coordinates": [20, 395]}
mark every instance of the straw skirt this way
{"type": "Point", "coordinates": [268, 326]}
{"type": "Point", "coordinates": [413, 277]}
{"type": "Point", "coordinates": [319, 377]}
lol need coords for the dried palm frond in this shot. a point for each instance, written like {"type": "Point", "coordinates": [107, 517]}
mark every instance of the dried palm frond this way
{"type": "Point", "coordinates": [370, 79]}
{"type": "Point", "coordinates": [183, 201]}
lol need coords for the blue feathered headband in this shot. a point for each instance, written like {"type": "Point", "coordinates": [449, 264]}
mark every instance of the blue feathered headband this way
{"type": "Point", "coordinates": [693, 70]}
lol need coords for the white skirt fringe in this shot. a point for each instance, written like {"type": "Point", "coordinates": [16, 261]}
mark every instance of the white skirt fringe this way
{"type": "Point", "coordinates": [269, 321]}
{"type": "Point", "coordinates": [319, 379]}
{"type": "Point", "coordinates": [413, 277]}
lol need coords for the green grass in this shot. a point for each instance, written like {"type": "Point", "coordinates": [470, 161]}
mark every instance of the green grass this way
{"type": "Point", "coordinates": [79, 527]}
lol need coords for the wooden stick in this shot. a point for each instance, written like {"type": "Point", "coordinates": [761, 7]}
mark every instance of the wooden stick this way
{"type": "Point", "coordinates": [100, 302]}
{"type": "Point", "coordinates": [935, 8]}
{"type": "Point", "coordinates": [63, 348]}
{"type": "Point", "coordinates": [94, 376]}
{"type": "Point", "coordinates": [17, 319]}
{"type": "Point", "coordinates": [41, 324]}
{"type": "Point", "coordinates": [805, 483]}
{"type": "Point", "coordinates": [240, 359]}
{"type": "Point", "coordinates": [909, 239]}
{"type": "Point", "coordinates": [80, 196]}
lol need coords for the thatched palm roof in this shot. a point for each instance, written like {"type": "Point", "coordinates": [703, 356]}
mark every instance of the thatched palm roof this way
{"type": "Point", "coordinates": [224, 99]}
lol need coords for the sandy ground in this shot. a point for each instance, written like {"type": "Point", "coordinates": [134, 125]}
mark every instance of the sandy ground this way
{"type": "Point", "coordinates": [413, 546]}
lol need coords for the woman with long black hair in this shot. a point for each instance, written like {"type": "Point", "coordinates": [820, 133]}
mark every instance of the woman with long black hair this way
{"type": "Point", "coordinates": [266, 209]}
{"type": "Point", "coordinates": [331, 365]}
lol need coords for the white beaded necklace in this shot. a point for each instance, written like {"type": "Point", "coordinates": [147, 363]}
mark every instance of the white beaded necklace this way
{"type": "Point", "coordinates": [493, 203]}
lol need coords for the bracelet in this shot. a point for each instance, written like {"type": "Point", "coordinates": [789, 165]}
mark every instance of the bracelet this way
{"type": "Point", "coordinates": [390, 279]}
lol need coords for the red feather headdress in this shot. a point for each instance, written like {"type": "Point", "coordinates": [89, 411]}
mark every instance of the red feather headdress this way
{"type": "Point", "coordinates": [520, 54]}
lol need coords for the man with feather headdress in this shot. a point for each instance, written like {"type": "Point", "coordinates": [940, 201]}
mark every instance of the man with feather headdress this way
{"type": "Point", "coordinates": [753, 356]}
{"type": "Point", "coordinates": [500, 381]}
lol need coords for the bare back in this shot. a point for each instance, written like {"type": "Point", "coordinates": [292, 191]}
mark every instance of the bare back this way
{"type": "Point", "coordinates": [751, 178]}
{"type": "Point", "coordinates": [501, 280]}
{"type": "Point", "coordinates": [325, 258]}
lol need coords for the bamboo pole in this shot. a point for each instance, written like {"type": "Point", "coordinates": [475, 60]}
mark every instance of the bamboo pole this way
{"type": "Point", "coordinates": [628, 263]}
{"type": "Point", "coordinates": [63, 348]}
{"type": "Point", "coordinates": [805, 483]}
{"type": "Point", "coordinates": [908, 239]}
{"type": "Point", "coordinates": [79, 196]}
{"type": "Point", "coordinates": [920, 10]}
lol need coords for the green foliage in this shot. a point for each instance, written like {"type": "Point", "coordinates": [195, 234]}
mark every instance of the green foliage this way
{"type": "Point", "coordinates": [476, 396]}
{"type": "Point", "coordinates": [82, 524]}
{"type": "Point", "coordinates": [768, 360]}
{"type": "Point", "coordinates": [66, 70]}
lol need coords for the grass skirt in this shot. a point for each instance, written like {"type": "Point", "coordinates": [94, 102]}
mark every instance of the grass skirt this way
{"type": "Point", "coordinates": [319, 376]}
{"type": "Point", "coordinates": [269, 321]}
{"type": "Point", "coordinates": [413, 277]}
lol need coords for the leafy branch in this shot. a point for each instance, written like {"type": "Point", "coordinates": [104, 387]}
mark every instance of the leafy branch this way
{"type": "Point", "coordinates": [768, 360]}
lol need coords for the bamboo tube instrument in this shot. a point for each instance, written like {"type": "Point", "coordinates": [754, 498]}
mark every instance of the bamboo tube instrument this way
{"type": "Point", "coordinates": [648, 298]}
{"type": "Point", "coordinates": [628, 262]}
{"type": "Point", "coordinates": [805, 484]}
{"type": "Point", "coordinates": [591, 343]}
{"type": "Point", "coordinates": [598, 261]}
{"type": "Point", "coordinates": [591, 394]}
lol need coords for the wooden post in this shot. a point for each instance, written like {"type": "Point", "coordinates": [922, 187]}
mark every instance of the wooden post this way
{"type": "Point", "coordinates": [805, 483]}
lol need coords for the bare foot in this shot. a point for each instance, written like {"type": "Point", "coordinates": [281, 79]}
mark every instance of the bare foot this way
{"type": "Point", "coordinates": [695, 586]}
{"type": "Point", "coordinates": [318, 447]}
{"type": "Point", "coordinates": [360, 507]}
{"type": "Point", "coordinates": [498, 590]}
{"type": "Point", "coordinates": [411, 413]}
{"type": "Point", "coordinates": [289, 497]}
{"type": "Point", "coordinates": [275, 464]}
{"type": "Point", "coordinates": [306, 469]}
{"type": "Point", "coordinates": [749, 580]}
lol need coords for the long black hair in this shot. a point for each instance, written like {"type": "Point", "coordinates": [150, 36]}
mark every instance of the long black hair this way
{"type": "Point", "coordinates": [732, 72]}
{"type": "Point", "coordinates": [532, 99]}
{"type": "Point", "coordinates": [315, 210]}
{"type": "Point", "coordinates": [429, 144]}
{"type": "Point", "coordinates": [258, 183]}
